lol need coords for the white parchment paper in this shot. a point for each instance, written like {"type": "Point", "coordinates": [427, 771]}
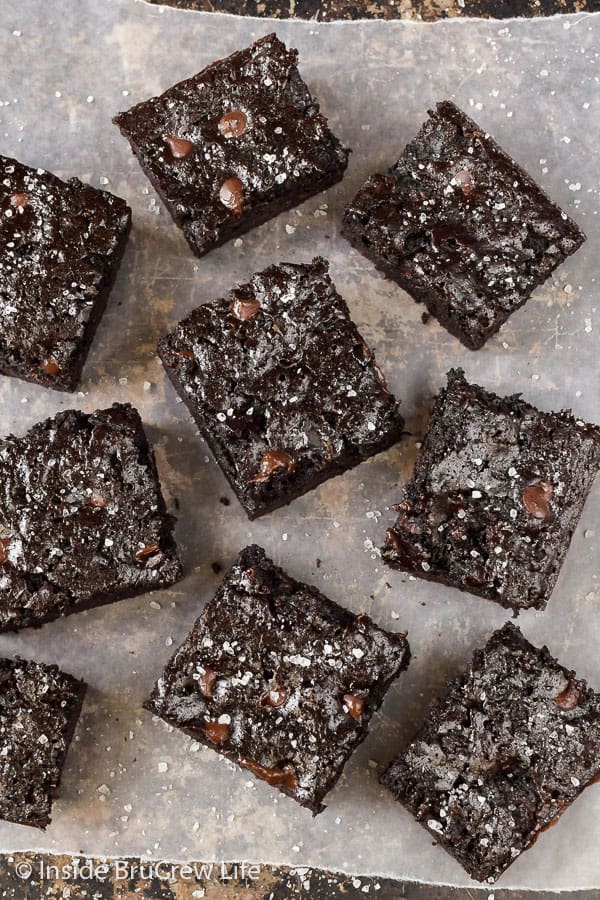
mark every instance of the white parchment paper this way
{"type": "Point", "coordinates": [131, 785]}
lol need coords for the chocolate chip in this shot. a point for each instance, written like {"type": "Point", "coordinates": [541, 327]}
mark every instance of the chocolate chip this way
{"type": "Point", "coordinates": [536, 499]}
{"type": "Point", "coordinates": [354, 705]}
{"type": "Point", "coordinates": [569, 697]}
{"type": "Point", "coordinates": [233, 124]}
{"type": "Point", "coordinates": [50, 366]}
{"type": "Point", "coordinates": [231, 195]}
{"type": "Point", "coordinates": [275, 698]}
{"type": "Point", "coordinates": [146, 552]}
{"type": "Point", "coordinates": [272, 461]}
{"type": "Point", "coordinates": [207, 681]}
{"type": "Point", "coordinates": [276, 776]}
{"type": "Point", "coordinates": [19, 200]}
{"type": "Point", "coordinates": [216, 567]}
{"type": "Point", "coordinates": [464, 180]}
{"type": "Point", "coordinates": [97, 501]}
{"type": "Point", "coordinates": [216, 732]}
{"type": "Point", "coordinates": [244, 308]}
{"type": "Point", "coordinates": [180, 147]}
{"type": "Point", "coordinates": [4, 544]}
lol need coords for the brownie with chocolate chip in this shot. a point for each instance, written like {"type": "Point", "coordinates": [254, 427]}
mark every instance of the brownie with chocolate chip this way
{"type": "Point", "coordinates": [497, 491]}
{"type": "Point", "coordinates": [460, 226]}
{"type": "Point", "coordinates": [279, 679]}
{"type": "Point", "coordinates": [39, 709]}
{"type": "Point", "coordinates": [82, 517]}
{"type": "Point", "coordinates": [61, 244]}
{"type": "Point", "coordinates": [281, 384]}
{"type": "Point", "coordinates": [513, 743]}
{"type": "Point", "coordinates": [235, 145]}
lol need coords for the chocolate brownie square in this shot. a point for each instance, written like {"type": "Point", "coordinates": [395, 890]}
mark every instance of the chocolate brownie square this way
{"type": "Point", "coordinates": [499, 759]}
{"type": "Point", "coordinates": [460, 226]}
{"type": "Point", "coordinates": [281, 384]}
{"type": "Point", "coordinates": [61, 244]}
{"type": "Point", "coordinates": [279, 679]}
{"type": "Point", "coordinates": [497, 491]}
{"type": "Point", "coordinates": [235, 145]}
{"type": "Point", "coordinates": [39, 709]}
{"type": "Point", "coordinates": [82, 518]}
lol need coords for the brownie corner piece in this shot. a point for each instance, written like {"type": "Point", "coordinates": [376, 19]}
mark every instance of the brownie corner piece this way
{"type": "Point", "coordinates": [460, 226]}
{"type": "Point", "coordinates": [61, 244]}
{"type": "Point", "coordinates": [279, 679]}
{"type": "Point", "coordinates": [497, 490]}
{"type": "Point", "coordinates": [82, 518]}
{"type": "Point", "coordinates": [39, 709]}
{"type": "Point", "coordinates": [235, 145]}
{"type": "Point", "coordinates": [281, 384]}
{"type": "Point", "coordinates": [513, 743]}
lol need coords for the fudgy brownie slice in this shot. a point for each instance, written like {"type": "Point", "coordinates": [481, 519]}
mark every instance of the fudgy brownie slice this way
{"type": "Point", "coordinates": [281, 384]}
{"type": "Point", "coordinates": [496, 493]}
{"type": "Point", "coordinates": [500, 757]}
{"type": "Point", "coordinates": [460, 226]}
{"type": "Point", "coordinates": [82, 517]}
{"type": "Point", "coordinates": [60, 247]}
{"type": "Point", "coordinates": [279, 679]}
{"type": "Point", "coordinates": [235, 145]}
{"type": "Point", "coordinates": [39, 709]}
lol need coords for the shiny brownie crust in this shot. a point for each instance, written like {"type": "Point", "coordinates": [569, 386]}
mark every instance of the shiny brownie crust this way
{"type": "Point", "coordinates": [235, 145]}
{"type": "Point", "coordinates": [281, 384]}
{"type": "Point", "coordinates": [279, 679]}
{"type": "Point", "coordinates": [513, 743]}
{"type": "Point", "coordinates": [496, 493]}
{"type": "Point", "coordinates": [460, 226]}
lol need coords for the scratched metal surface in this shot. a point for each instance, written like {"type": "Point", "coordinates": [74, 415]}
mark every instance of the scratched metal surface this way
{"type": "Point", "coordinates": [534, 86]}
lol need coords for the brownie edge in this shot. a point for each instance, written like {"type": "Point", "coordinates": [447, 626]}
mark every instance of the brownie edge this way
{"type": "Point", "coordinates": [499, 758]}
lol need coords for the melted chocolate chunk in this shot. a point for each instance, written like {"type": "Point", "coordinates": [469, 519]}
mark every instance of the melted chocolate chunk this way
{"type": "Point", "coordinates": [287, 155]}
{"type": "Point", "coordinates": [61, 244]}
{"type": "Point", "coordinates": [179, 147]}
{"type": "Point", "coordinates": [217, 733]}
{"type": "Point", "coordinates": [498, 760]}
{"type": "Point", "coordinates": [460, 226]}
{"type": "Point", "coordinates": [274, 698]}
{"type": "Point", "coordinates": [245, 308]}
{"type": "Point", "coordinates": [285, 655]}
{"type": "Point", "coordinates": [69, 554]}
{"type": "Point", "coordinates": [354, 705]}
{"type": "Point", "coordinates": [233, 124]}
{"type": "Point", "coordinates": [231, 195]}
{"type": "Point", "coordinates": [290, 397]}
{"type": "Point", "coordinates": [476, 513]}
{"type": "Point", "coordinates": [536, 499]}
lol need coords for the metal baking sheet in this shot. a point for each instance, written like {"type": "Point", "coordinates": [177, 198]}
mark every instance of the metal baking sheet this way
{"type": "Point", "coordinates": [133, 786]}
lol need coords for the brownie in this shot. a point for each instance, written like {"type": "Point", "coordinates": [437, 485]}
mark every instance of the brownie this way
{"type": "Point", "coordinates": [82, 517]}
{"type": "Point", "coordinates": [279, 679]}
{"type": "Point", "coordinates": [460, 226]}
{"type": "Point", "coordinates": [496, 493]}
{"type": "Point", "coordinates": [39, 709]}
{"type": "Point", "coordinates": [61, 244]}
{"type": "Point", "coordinates": [501, 756]}
{"type": "Point", "coordinates": [281, 384]}
{"type": "Point", "coordinates": [235, 145]}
